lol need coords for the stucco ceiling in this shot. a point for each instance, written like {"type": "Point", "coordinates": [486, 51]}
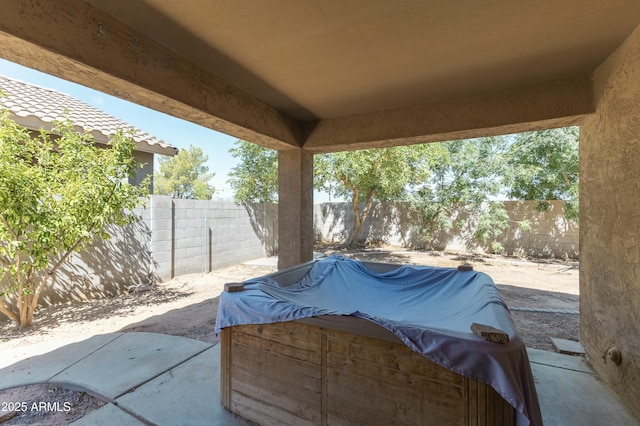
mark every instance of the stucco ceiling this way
{"type": "Point", "coordinates": [328, 75]}
{"type": "Point", "coordinates": [325, 59]}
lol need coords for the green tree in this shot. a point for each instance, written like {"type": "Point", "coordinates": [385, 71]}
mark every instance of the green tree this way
{"type": "Point", "coordinates": [457, 183]}
{"type": "Point", "coordinates": [185, 175]}
{"type": "Point", "coordinates": [57, 194]}
{"type": "Point", "coordinates": [255, 178]}
{"type": "Point", "coordinates": [461, 190]}
{"type": "Point", "coordinates": [373, 175]}
{"type": "Point", "coordinates": [544, 166]}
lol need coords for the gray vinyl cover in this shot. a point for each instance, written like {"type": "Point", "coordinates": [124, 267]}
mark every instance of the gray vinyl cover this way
{"type": "Point", "coordinates": [430, 309]}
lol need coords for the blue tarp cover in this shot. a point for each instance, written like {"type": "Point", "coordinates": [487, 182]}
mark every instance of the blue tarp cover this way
{"type": "Point", "coordinates": [430, 309]}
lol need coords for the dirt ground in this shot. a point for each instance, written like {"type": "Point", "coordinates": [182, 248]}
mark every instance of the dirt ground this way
{"type": "Point", "coordinates": [542, 295]}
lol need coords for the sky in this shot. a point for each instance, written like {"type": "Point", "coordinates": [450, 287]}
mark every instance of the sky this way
{"type": "Point", "coordinates": [177, 132]}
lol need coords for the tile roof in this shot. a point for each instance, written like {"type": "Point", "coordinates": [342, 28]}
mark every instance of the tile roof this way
{"type": "Point", "coordinates": [37, 107]}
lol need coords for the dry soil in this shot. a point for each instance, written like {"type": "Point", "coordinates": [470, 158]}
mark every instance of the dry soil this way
{"type": "Point", "coordinates": [542, 295]}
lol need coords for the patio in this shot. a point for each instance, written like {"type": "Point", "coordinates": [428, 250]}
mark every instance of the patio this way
{"type": "Point", "coordinates": [312, 77]}
{"type": "Point", "coordinates": [149, 378]}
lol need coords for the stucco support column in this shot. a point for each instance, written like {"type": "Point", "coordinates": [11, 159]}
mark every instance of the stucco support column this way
{"type": "Point", "coordinates": [295, 207]}
{"type": "Point", "coordinates": [610, 224]}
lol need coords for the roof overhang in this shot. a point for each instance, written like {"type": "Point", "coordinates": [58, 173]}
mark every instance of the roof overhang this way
{"type": "Point", "coordinates": [331, 75]}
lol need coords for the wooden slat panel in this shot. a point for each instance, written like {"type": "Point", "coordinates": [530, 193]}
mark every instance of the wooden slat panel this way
{"type": "Point", "coordinates": [225, 368]}
{"type": "Point", "coordinates": [311, 355]}
{"type": "Point", "coordinates": [276, 374]}
{"type": "Point", "coordinates": [274, 364]}
{"type": "Point", "coordinates": [490, 395]}
{"type": "Point", "coordinates": [298, 381]}
{"type": "Point", "coordinates": [266, 414]}
{"type": "Point", "coordinates": [472, 402]}
{"type": "Point", "coordinates": [324, 392]}
{"type": "Point", "coordinates": [301, 341]}
{"type": "Point", "coordinates": [438, 394]}
{"type": "Point", "coordinates": [505, 414]}
{"type": "Point", "coordinates": [345, 413]}
{"type": "Point", "coordinates": [395, 377]}
{"type": "Point", "coordinates": [290, 333]}
{"type": "Point", "coordinates": [370, 395]}
{"type": "Point", "coordinates": [397, 356]}
{"type": "Point", "coordinates": [358, 398]}
{"type": "Point", "coordinates": [487, 407]}
{"type": "Point", "coordinates": [304, 405]}
{"type": "Point", "coordinates": [277, 371]}
{"type": "Point", "coordinates": [244, 381]}
{"type": "Point", "coordinates": [481, 396]}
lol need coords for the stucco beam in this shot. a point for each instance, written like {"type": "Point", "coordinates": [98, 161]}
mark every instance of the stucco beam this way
{"type": "Point", "coordinates": [73, 40]}
{"type": "Point", "coordinates": [537, 106]}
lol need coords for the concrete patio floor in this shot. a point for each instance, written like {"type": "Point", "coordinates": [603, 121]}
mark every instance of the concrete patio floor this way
{"type": "Point", "coordinates": [157, 379]}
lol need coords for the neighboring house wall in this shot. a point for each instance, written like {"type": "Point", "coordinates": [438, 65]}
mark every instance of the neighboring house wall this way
{"type": "Point", "coordinates": [35, 108]}
{"type": "Point", "coordinates": [610, 223]}
{"type": "Point", "coordinates": [146, 161]}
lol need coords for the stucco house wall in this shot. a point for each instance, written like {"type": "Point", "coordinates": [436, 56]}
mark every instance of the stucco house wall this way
{"type": "Point", "coordinates": [146, 160]}
{"type": "Point", "coordinates": [610, 223]}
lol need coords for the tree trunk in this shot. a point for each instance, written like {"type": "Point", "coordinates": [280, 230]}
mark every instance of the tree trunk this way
{"type": "Point", "coordinates": [359, 219]}
{"type": "Point", "coordinates": [355, 206]}
{"type": "Point", "coordinates": [25, 318]}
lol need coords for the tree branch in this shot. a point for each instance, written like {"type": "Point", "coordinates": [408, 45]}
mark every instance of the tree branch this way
{"type": "Point", "coordinates": [68, 253]}
{"type": "Point", "coordinates": [6, 224]}
{"type": "Point", "coordinates": [9, 313]}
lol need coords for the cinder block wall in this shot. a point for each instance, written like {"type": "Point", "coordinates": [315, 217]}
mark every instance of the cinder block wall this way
{"type": "Point", "coordinates": [194, 236]}
{"type": "Point", "coordinates": [106, 268]}
{"type": "Point", "coordinates": [389, 223]}
{"type": "Point", "coordinates": [551, 235]}
{"type": "Point", "coordinates": [241, 233]}
{"type": "Point", "coordinates": [177, 237]}
{"type": "Point", "coordinates": [160, 216]}
{"type": "Point", "coordinates": [173, 237]}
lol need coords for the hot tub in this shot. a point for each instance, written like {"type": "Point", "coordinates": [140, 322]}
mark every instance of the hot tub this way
{"type": "Point", "coordinates": [338, 341]}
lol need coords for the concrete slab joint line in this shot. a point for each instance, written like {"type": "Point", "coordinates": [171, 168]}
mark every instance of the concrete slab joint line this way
{"type": "Point", "coordinates": [188, 392]}
{"type": "Point", "coordinates": [131, 413]}
{"type": "Point", "coordinates": [85, 357]}
{"type": "Point", "coordinates": [114, 368]}
{"type": "Point", "coordinates": [168, 370]}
